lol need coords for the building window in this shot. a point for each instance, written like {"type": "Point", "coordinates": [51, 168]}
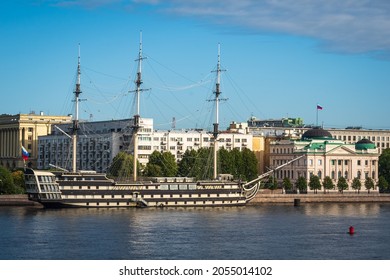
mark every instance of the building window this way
{"type": "Point", "coordinates": [358, 162]}
{"type": "Point", "coordinates": [320, 162]}
{"type": "Point", "coordinates": [333, 175]}
{"type": "Point", "coordinates": [359, 174]}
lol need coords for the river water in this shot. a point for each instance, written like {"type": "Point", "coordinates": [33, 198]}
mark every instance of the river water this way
{"type": "Point", "coordinates": [267, 232]}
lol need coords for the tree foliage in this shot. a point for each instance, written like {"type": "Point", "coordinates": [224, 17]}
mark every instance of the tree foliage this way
{"type": "Point", "coordinates": [356, 184]}
{"type": "Point", "coordinates": [301, 184]}
{"type": "Point", "coordinates": [122, 166]}
{"type": "Point", "coordinates": [315, 183]}
{"type": "Point", "coordinates": [384, 165]}
{"type": "Point", "coordinates": [342, 184]}
{"type": "Point", "coordinates": [186, 165]}
{"type": "Point", "coordinates": [249, 164]}
{"type": "Point", "coordinates": [328, 184]}
{"type": "Point", "coordinates": [199, 164]}
{"type": "Point", "coordinates": [287, 185]}
{"type": "Point", "coordinates": [369, 184]}
{"type": "Point", "coordinates": [383, 185]}
{"type": "Point", "coordinates": [271, 183]}
{"type": "Point", "coordinates": [7, 183]}
{"type": "Point", "coordinates": [161, 164]}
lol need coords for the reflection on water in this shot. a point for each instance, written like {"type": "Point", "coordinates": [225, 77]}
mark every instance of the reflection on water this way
{"type": "Point", "coordinates": [310, 231]}
{"type": "Point", "coordinates": [345, 210]}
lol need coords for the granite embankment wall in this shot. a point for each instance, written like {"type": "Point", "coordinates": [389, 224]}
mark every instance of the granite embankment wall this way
{"type": "Point", "coordinates": [261, 197]}
{"type": "Point", "coordinates": [320, 197]}
{"type": "Point", "coordinates": [16, 200]}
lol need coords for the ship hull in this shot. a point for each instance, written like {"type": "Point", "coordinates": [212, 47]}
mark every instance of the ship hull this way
{"type": "Point", "coordinates": [92, 190]}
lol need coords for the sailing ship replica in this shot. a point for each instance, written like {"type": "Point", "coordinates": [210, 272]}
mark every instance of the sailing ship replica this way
{"type": "Point", "coordinates": [90, 189]}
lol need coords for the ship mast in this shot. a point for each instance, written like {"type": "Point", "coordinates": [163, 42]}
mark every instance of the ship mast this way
{"type": "Point", "coordinates": [138, 90]}
{"type": "Point", "coordinates": [75, 127]}
{"type": "Point", "coordinates": [217, 93]}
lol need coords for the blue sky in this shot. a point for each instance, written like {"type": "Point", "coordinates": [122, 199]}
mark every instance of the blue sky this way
{"type": "Point", "coordinates": [281, 57]}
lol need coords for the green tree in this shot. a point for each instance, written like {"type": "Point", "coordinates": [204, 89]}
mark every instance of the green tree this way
{"type": "Point", "coordinates": [356, 184]}
{"type": "Point", "coordinates": [271, 183]}
{"type": "Point", "coordinates": [301, 184]}
{"type": "Point", "coordinates": [249, 164]}
{"type": "Point", "coordinates": [203, 164]}
{"type": "Point", "coordinates": [384, 165]}
{"type": "Point", "coordinates": [161, 164]}
{"type": "Point", "coordinates": [237, 171]}
{"type": "Point", "coordinates": [7, 185]}
{"type": "Point", "coordinates": [328, 184]}
{"type": "Point", "coordinates": [342, 184]}
{"type": "Point", "coordinates": [287, 185]}
{"type": "Point", "coordinates": [225, 161]}
{"type": "Point", "coordinates": [369, 184]}
{"type": "Point", "coordinates": [169, 165]}
{"type": "Point", "coordinates": [187, 163]}
{"type": "Point", "coordinates": [315, 183]}
{"type": "Point", "coordinates": [153, 170]}
{"type": "Point", "coordinates": [18, 177]}
{"type": "Point", "coordinates": [383, 185]}
{"type": "Point", "coordinates": [122, 166]}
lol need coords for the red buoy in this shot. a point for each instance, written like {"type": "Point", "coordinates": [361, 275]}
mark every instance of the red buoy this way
{"type": "Point", "coordinates": [351, 230]}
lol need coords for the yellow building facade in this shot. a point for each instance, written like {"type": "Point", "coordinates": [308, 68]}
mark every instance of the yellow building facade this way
{"type": "Point", "coordinates": [23, 130]}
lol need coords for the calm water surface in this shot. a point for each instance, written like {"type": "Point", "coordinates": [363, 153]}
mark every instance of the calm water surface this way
{"type": "Point", "coordinates": [276, 232]}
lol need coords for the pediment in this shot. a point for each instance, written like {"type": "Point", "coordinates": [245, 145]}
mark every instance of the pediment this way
{"type": "Point", "coordinates": [341, 150]}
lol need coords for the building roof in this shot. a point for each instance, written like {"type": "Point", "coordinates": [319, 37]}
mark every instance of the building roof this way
{"type": "Point", "coordinates": [364, 144]}
{"type": "Point", "coordinates": [316, 133]}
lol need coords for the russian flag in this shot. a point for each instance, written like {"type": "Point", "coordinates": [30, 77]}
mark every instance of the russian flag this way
{"type": "Point", "coordinates": [319, 107]}
{"type": "Point", "coordinates": [25, 154]}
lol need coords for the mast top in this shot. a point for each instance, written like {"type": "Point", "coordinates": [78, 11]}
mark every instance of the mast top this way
{"type": "Point", "coordinates": [78, 81]}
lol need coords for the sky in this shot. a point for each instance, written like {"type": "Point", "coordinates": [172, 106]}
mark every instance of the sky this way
{"type": "Point", "coordinates": [280, 59]}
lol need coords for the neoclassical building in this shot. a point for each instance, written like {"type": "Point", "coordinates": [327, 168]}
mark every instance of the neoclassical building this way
{"type": "Point", "coordinates": [325, 156]}
{"type": "Point", "coordinates": [23, 130]}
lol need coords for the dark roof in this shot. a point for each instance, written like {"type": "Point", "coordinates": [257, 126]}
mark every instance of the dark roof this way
{"type": "Point", "coordinates": [316, 133]}
{"type": "Point", "coordinates": [364, 144]}
{"type": "Point", "coordinates": [364, 141]}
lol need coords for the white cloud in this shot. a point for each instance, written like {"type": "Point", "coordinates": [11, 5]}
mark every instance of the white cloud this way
{"type": "Point", "coordinates": [352, 26]}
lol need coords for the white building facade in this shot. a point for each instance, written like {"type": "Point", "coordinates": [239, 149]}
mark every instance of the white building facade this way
{"type": "Point", "coordinates": [100, 142]}
{"type": "Point", "coordinates": [325, 156]}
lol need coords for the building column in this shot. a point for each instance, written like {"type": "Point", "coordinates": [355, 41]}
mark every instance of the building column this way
{"type": "Point", "coordinates": [7, 142]}
{"type": "Point", "coordinates": [2, 143]}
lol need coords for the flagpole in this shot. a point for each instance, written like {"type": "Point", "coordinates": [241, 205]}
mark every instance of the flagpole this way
{"type": "Point", "coordinates": [317, 115]}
